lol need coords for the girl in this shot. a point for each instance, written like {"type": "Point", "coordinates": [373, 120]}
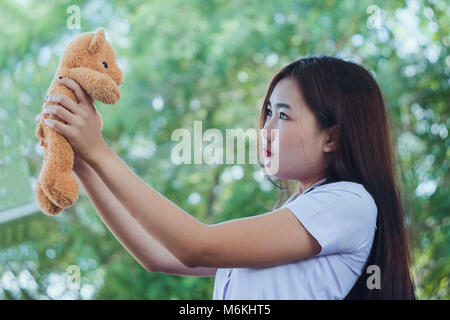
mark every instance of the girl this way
{"type": "Point", "coordinates": [340, 236]}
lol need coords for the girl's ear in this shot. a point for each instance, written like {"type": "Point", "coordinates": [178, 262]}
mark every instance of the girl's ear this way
{"type": "Point", "coordinates": [97, 41]}
{"type": "Point", "coordinates": [331, 142]}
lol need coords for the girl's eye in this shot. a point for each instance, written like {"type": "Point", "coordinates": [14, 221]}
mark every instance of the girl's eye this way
{"type": "Point", "coordinates": [284, 114]}
{"type": "Point", "coordinates": [105, 64]}
{"type": "Point", "coordinates": [269, 113]}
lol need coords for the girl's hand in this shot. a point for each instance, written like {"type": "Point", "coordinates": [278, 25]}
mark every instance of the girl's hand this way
{"type": "Point", "coordinates": [78, 163]}
{"type": "Point", "coordinates": [82, 128]}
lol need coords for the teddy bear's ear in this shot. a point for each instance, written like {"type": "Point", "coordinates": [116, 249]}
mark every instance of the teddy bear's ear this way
{"type": "Point", "coordinates": [97, 41]}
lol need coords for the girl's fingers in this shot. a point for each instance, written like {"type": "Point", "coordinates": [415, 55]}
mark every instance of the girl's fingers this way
{"type": "Point", "coordinates": [60, 112]}
{"type": "Point", "coordinates": [82, 96]}
{"type": "Point", "coordinates": [38, 117]}
{"type": "Point", "coordinates": [58, 126]}
{"type": "Point", "coordinates": [64, 101]}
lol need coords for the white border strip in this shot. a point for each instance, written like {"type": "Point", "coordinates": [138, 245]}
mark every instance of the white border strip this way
{"type": "Point", "coordinates": [19, 212]}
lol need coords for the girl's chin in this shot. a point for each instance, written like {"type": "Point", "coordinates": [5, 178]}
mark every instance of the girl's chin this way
{"type": "Point", "coordinates": [269, 168]}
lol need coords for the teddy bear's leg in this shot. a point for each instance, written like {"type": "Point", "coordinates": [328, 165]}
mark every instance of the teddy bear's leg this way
{"type": "Point", "coordinates": [56, 178]}
{"type": "Point", "coordinates": [47, 207]}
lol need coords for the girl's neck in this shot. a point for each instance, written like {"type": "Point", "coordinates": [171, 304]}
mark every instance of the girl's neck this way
{"type": "Point", "coordinates": [306, 186]}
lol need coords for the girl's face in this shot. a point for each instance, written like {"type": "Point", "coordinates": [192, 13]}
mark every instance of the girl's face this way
{"type": "Point", "coordinates": [296, 144]}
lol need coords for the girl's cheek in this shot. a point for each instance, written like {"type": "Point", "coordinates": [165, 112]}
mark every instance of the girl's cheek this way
{"type": "Point", "coordinates": [288, 137]}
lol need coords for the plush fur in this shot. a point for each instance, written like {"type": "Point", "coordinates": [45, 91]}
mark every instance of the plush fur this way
{"type": "Point", "coordinates": [83, 61]}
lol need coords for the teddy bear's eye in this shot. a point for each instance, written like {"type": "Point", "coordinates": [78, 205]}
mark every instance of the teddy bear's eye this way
{"type": "Point", "coordinates": [105, 64]}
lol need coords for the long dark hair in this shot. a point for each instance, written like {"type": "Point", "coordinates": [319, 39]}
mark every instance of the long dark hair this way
{"type": "Point", "coordinates": [344, 94]}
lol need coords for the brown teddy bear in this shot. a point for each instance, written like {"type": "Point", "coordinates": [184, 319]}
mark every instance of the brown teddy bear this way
{"type": "Point", "coordinates": [89, 60]}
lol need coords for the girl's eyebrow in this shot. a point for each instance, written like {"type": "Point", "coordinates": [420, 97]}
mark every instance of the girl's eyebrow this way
{"type": "Point", "coordinates": [280, 105]}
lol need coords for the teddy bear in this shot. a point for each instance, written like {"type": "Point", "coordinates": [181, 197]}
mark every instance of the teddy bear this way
{"type": "Point", "coordinates": [89, 60]}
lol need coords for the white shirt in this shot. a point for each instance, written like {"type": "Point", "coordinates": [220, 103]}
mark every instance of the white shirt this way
{"type": "Point", "coordinates": [341, 216]}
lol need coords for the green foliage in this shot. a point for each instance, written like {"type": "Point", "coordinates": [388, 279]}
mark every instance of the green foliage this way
{"type": "Point", "coordinates": [210, 61]}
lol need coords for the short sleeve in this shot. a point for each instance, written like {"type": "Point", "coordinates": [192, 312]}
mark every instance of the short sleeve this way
{"type": "Point", "coordinates": [341, 221]}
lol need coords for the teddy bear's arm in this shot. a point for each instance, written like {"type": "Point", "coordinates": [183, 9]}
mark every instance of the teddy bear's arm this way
{"type": "Point", "coordinates": [96, 84]}
{"type": "Point", "coordinates": [40, 133]}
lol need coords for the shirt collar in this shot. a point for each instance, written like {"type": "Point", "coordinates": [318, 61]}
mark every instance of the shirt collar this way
{"type": "Point", "coordinates": [314, 185]}
{"type": "Point", "coordinates": [295, 195]}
